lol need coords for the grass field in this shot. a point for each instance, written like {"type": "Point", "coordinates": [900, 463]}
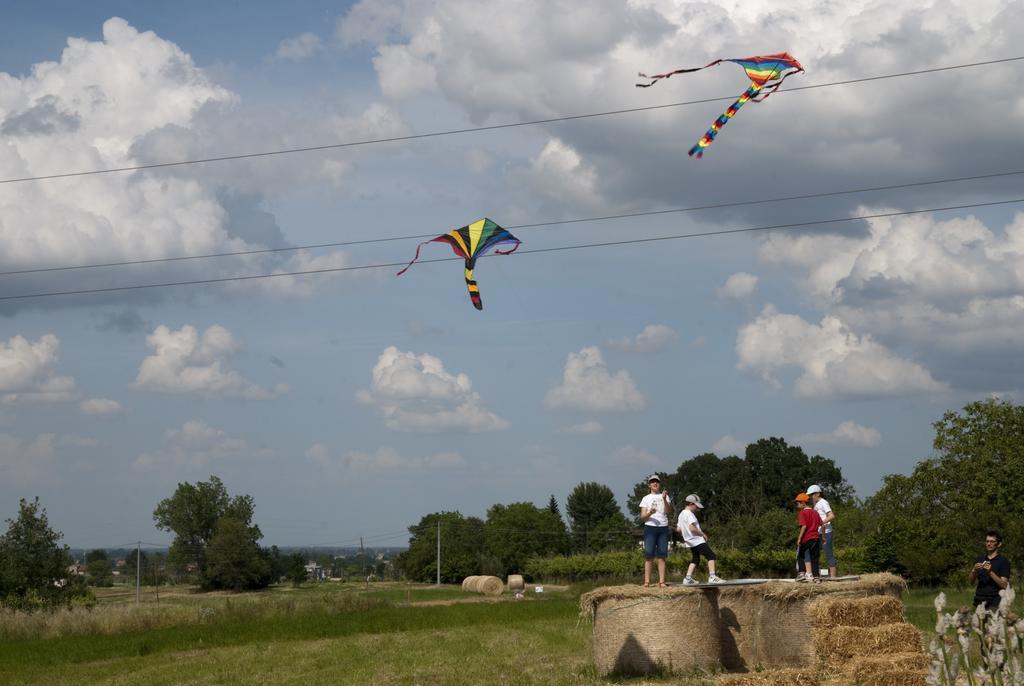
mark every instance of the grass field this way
{"type": "Point", "coordinates": [388, 633]}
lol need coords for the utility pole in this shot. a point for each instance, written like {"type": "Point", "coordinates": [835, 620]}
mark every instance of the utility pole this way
{"type": "Point", "coordinates": [439, 552]}
{"type": "Point", "coordinates": [138, 572]}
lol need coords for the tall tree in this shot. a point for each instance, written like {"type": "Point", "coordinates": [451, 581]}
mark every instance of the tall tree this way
{"type": "Point", "coordinates": [553, 506]}
{"type": "Point", "coordinates": [593, 513]}
{"type": "Point", "coordinates": [33, 566]}
{"type": "Point", "coordinates": [193, 514]}
{"type": "Point", "coordinates": [516, 532]}
{"type": "Point", "coordinates": [233, 559]}
{"type": "Point", "coordinates": [462, 548]}
{"type": "Point", "coordinates": [976, 482]}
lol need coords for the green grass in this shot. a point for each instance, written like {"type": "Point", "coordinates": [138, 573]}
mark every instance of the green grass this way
{"type": "Point", "coordinates": [348, 634]}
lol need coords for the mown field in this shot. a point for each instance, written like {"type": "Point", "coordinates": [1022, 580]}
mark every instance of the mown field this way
{"type": "Point", "coordinates": [388, 633]}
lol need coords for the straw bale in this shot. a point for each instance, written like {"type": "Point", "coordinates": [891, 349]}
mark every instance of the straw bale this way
{"type": "Point", "coordinates": [863, 612]}
{"type": "Point", "coordinates": [489, 585]}
{"type": "Point", "coordinates": [841, 643]}
{"type": "Point", "coordinates": [775, 677]}
{"type": "Point", "coordinates": [735, 628]}
{"type": "Point", "coordinates": [467, 583]}
{"type": "Point", "coordinates": [896, 677]}
{"type": "Point", "coordinates": [515, 582]}
{"type": "Point", "coordinates": [862, 667]}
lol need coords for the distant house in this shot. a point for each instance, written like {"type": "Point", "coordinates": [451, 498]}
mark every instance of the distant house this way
{"type": "Point", "coordinates": [314, 572]}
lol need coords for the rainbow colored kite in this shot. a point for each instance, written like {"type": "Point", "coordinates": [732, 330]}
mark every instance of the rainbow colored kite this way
{"type": "Point", "coordinates": [471, 242]}
{"type": "Point", "coordinates": [766, 74]}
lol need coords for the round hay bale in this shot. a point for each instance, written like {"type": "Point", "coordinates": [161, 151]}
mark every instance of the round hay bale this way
{"type": "Point", "coordinates": [515, 582]}
{"type": "Point", "coordinates": [724, 628]}
{"type": "Point", "coordinates": [841, 643]}
{"type": "Point", "coordinates": [863, 612]}
{"type": "Point", "coordinates": [775, 677]}
{"type": "Point", "coordinates": [466, 581]}
{"type": "Point", "coordinates": [490, 585]}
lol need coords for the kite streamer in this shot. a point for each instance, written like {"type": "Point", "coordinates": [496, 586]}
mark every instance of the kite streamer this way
{"type": "Point", "coordinates": [766, 74]}
{"type": "Point", "coordinates": [470, 242]}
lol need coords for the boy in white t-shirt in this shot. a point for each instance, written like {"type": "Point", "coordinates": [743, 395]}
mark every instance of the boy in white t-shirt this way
{"type": "Point", "coordinates": [696, 540]}
{"type": "Point", "coordinates": [824, 511]}
{"type": "Point", "coordinates": [654, 510]}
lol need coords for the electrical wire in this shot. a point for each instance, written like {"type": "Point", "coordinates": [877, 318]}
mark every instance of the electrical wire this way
{"type": "Point", "coordinates": [562, 222]}
{"type": "Point", "coordinates": [492, 127]}
{"type": "Point", "coordinates": [603, 244]}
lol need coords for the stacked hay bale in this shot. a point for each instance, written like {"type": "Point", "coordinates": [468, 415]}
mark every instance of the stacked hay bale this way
{"type": "Point", "coordinates": [738, 628]}
{"type": "Point", "coordinates": [866, 640]}
{"type": "Point", "coordinates": [487, 585]}
{"type": "Point", "coordinates": [516, 583]}
{"type": "Point", "coordinates": [775, 677]}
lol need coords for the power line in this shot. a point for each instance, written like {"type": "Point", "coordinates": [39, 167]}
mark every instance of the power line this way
{"type": "Point", "coordinates": [492, 127]}
{"type": "Point", "coordinates": [326, 270]}
{"type": "Point", "coordinates": [629, 215]}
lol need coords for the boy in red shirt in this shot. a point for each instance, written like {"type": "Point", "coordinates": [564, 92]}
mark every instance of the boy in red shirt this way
{"type": "Point", "coordinates": [807, 541]}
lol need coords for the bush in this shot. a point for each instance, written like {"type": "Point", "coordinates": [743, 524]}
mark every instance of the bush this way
{"type": "Point", "coordinates": [732, 563]}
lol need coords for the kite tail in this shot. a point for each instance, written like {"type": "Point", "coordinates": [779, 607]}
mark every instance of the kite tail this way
{"type": "Point", "coordinates": [474, 290]}
{"type": "Point", "coordinates": [709, 137]}
{"type": "Point", "coordinates": [406, 268]}
{"type": "Point", "coordinates": [658, 77]}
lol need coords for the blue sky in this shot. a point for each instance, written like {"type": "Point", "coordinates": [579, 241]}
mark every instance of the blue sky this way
{"type": "Point", "coordinates": [351, 404]}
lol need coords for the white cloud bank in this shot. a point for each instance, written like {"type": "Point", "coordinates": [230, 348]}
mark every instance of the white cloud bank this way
{"type": "Point", "coordinates": [298, 47]}
{"type": "Point", "coordinates": [415, 393]}
{"type": "Point", "coordinates": [847, 433]}
{"type": "Point", "coordinates": [739, 286]}
{"type": "Point", "coordinates": [834, 362]}
{"type": "Point", "coordinates": [100, 406]}
{"type": "Point", "coordinates": [26, 461]}
{"type": "Point", "coordinates": [195, 445]}
{"type": "Point", "coordinates": [28, 371]}
{"type": "Point", "coordinates": [588, 385]}
{"type": "Point", "coordinates": [185, 362]}
{"type": "Point", "coordinates": [653, 338]}
{"type": "Point", "coordinates": [727, 445]}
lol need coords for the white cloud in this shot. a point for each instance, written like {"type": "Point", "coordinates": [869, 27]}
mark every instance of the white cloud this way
{"type": "Point", "coordinates": [587, 385]}
{"type": "Point", "coordinates": [590, 427]}
{"type": "Point", "coordinates": [727, 445]}
{"type": "Point", "coordinates": [415, 393]}
{"type": "Point", "coordinates": [834, 361]}
{"type": "Point", "coordinates": [653, 338]}
{"type": "Point", "coordinates": [560, 173]}
{"type": "Point", "coordinates": [298, 47]}
{"type": "Point", "coordinates": [847, 433]}
{"type": "Point", "coordinates": [631, 455]}
{"type": "Point", "coordinates": [382, 459]}
{"type": "Point", "coordinates": [185, 362]}
{"type": "Point", "coordinates": [78, 441]}
{"type": "Point", "coordinates": [100, 406]}
{"type": "Point", "coordinates": [24, 462]}
{"type": "Point", "coordinates": [27, 371]}
{"type": "Point", "coordinates": [195, 445]}
{"type": "Point", "coordinates": [740, 285]}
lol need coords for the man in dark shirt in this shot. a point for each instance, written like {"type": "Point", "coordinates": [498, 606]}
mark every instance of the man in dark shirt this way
{"type": "Point", "coordinates": [992, 572]}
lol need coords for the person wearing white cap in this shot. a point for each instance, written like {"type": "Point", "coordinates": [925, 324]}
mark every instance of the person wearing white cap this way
{"type": "Point", "coordinates": [824, 511]}
{"type": "Point", "coordinates": [696, 540]}
{"type": "Point", "coordinates": [654, 510]}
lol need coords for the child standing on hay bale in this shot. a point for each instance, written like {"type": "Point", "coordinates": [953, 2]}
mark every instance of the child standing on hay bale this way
{"type": "Point", "coordinates": [696, 540]}
{"type": "Point", "coordinates": [654, 510]}
{"type": "Point", "coordinates": [808, 544]}
{"type": "Point", "coordinates": [824, 510]}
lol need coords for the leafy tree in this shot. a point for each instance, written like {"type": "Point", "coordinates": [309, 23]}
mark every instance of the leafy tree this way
{"type": "Point", "coordinates": [194, 513]}
{"type": "Point", "coordinates": [233, 559]}
{"type": "Point", "coordinates": [462, 547]}
{"type": "Point", "coordinates": [974, 483]}
{"type": "Point", "coordinates": [33, 567]}
{"type": "Point", "coordinates": [553, 506]}
{"type": "Point", "coordinates": [94, 555]}
{"type": "Point", "coordinates": [516, 532]}
{"type": "Point", "coordinates": [130, 565]}
{"type": "Point", "coordinates": [295, 571]}
{"type": "Point", "coordinates": [591, 505]}
{"type": "Point", "coordinates": [100, 572]}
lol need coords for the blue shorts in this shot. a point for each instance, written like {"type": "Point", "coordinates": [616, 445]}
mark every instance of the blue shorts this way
{"type": "Point", "coordinates": [826, 547]}
{"type": "Point", "coordinates": [655, 542]}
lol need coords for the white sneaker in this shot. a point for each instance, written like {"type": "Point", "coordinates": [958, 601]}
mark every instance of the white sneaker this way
{"type": "Point", "coordinates": [804, 578]}
{"type": "Point", "coordinates": [715, 579]}
{"type": "Point", "coordinates": [690, 581]}
{"type": "Point", "coordinates": [800, 576]}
